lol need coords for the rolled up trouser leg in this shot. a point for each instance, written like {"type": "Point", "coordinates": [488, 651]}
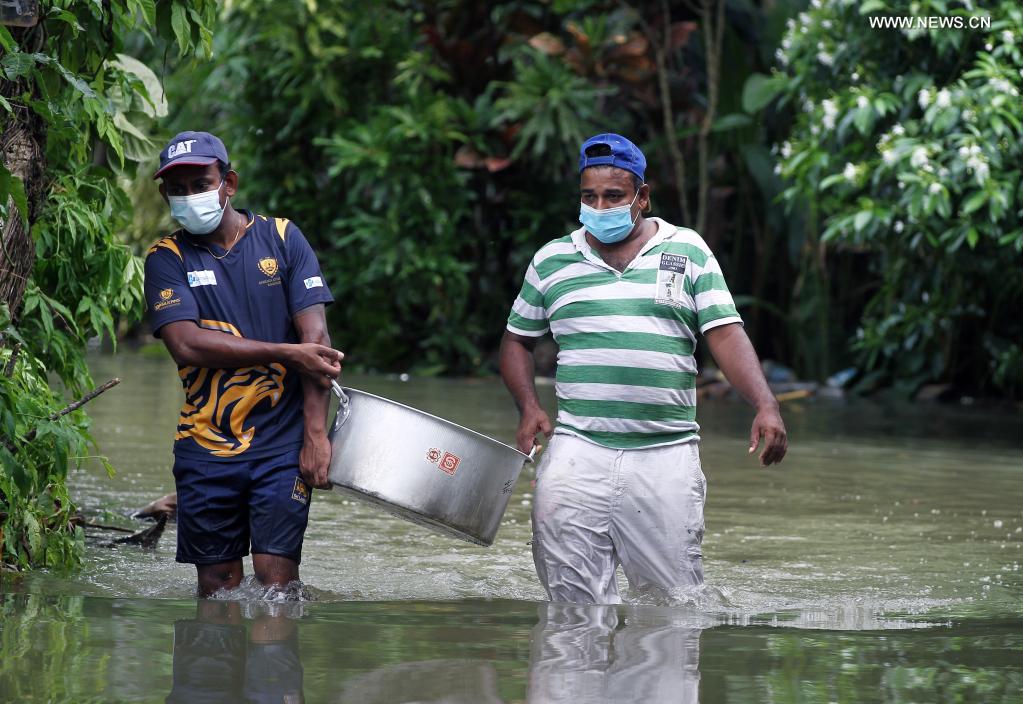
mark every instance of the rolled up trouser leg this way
{"type": "Point", "coordinates": [657, 526]}
{"type": "Point", "coordinates": [572, 549]}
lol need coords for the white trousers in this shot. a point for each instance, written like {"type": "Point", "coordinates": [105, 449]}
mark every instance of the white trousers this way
{"type": "Point", "coordinates": [596, 508]}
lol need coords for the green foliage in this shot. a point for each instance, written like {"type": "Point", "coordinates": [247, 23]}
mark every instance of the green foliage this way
{"type": "Point", "coordinates": [424, 178]}
{"type": "Point", "coordinates": [96, 107]}
{"type": "Point", "coordinates": [907, 145]}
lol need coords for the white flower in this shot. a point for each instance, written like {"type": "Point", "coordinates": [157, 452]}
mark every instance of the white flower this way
{"type": "Point", "coordinates": [968, 115]}
{"type": "Point", "coordinates": [899, 226]}
{"type": "Point", "coordinates": [924, 98]}
{"type": "Point", "coordinates": [855, 76]}
{"type": "Point", "coordinates": [786, 150]}
{"type": "Point", "coordinates": [777, 169]}
{"type": "Point", "coordinates": [1008, 37]}
{"type": "Point", "coordinates": [919, 157]}
{"type": "Point", "coordinates": [815, 130]}
{"type": "Point", "coordinates": [781, 58]}
{"type": "Point", "coordinates": [786, 43]}
{"type": "Point", "coordinates": [942, 172]}
{"type": "Point", "coordinates": [862, 102]}
{"type": "Point", "coordinates": [964, 152]}
{"type": "Point", "coordinates": [849, 172]}
{"type": "Point", "coordinates": [898, 130]}
{"type": "Point", "coordinates": [807, 105]}
{"type": "Point", "coordinates": [944, 98]}
{"type": "Point", "coordinates": [889, 156]}
{"type": "Point", "coordinates": [825, 58]}
{"type": "Point", "coordinates": [989, 46]}
{"type": "Point", "coordinates": [980, 169]}
{"type": "Point", "coordinates": [934, 188]}
{"type": "Point", "coordinates": [826, 24]}
{"type": "Point", "coordinates": [830, 108]}
{"type": "Point", "coordinates": [816, 4]}
{"type": "Point", "coordinates": [820, 46]}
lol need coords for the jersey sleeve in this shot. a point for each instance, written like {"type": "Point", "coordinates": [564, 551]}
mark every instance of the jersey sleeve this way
{"type": "Point", "coordinates": [528, 315]}
{"type": "Point", "coordinates": [714, 304]}
{"type": "Point", "coordinates": [305, 283]}
{"type": "Point", "coordinates": [168, 296]}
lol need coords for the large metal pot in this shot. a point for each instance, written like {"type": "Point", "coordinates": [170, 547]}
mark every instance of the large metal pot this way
{"type": "Point", "coordinates": [420, 467]}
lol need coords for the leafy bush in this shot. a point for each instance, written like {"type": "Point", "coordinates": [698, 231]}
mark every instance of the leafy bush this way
{"type": "Point", "coordinates": [907, 147]}
{"type": "Point", "coordinates": [65, 82]}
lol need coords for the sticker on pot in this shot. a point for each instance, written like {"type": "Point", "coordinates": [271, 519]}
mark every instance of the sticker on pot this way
{"type": "Point", "coordinates": [449, 462]}
{"type": "Point", "coordinates": [446, 461]}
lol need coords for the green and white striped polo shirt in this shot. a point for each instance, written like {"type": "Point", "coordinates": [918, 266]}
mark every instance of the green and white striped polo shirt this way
{"type": "Point", "coordinates": [626, 375]}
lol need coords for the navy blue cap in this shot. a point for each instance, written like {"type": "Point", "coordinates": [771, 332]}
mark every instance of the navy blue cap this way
{"type": "Point", "coordinates": [193, 148]}
{"type": "Point", "coordinates": [624, 154]}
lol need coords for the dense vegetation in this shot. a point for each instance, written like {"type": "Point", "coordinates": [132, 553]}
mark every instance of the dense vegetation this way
{"type": "Point", "coordinates": [428, 149]}
{"type": "Point", "coordinates": [76, 113]}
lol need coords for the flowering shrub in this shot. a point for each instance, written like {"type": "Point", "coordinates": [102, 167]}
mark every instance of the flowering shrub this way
{"type": "Point", "coordinates": [906, 147]}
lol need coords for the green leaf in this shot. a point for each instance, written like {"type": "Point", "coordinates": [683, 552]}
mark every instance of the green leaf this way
{"type": "Point", "coordinates": [7, 41]}
{"type": "Point", "coordinates": [974, 202]}
{"type": "Point", "coordinates": [759, 90]}
{"type": "Point", "coordinates": [182, 30]}
{"type": "Point", "coordinates": [148, 8]}
{"type": "Point", "coordinates": [972, 236]}
{"type": "Point", "coordinates": [872, 6]}
{"type": "Point", "coordinates": [16, 65]}
{"type": "Point", "coordinates": [862, 219]}
{"type": "Point", "coordinates": [14, 188]}
{"type": "Point", "coordinates": [732, 121]}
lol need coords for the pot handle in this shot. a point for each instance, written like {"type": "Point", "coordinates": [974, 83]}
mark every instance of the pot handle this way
{"type": "Point", "coordinates": [345, 409]}
{"type": "Point", "coordinates": [532, 453]}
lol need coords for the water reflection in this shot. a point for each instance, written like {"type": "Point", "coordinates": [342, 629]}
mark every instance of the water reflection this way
{"type": "Point", "coordinates": [614, 654]}
{"type": "Point", "coordinates": [237, 652]}
{"type": "Point", "coordinates": [428, 682]}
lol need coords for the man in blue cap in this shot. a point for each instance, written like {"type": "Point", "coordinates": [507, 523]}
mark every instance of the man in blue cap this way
{"type": "Point", "coordinates": [624, 296]}
{"type": "Point", "coordinates": [238, 300]}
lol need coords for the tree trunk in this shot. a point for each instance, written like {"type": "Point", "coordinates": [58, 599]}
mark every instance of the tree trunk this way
{"type": "Point", "coordinates": [21, 148]}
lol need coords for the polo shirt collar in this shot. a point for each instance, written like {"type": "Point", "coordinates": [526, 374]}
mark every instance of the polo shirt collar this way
{"type": "Point", "coordinates": [664, 231]}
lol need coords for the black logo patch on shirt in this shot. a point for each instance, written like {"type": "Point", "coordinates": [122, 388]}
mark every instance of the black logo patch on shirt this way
{"type": "Point", "coordinates": [671, 276]}
{"type": "Point", "coordinates": [301, 492]}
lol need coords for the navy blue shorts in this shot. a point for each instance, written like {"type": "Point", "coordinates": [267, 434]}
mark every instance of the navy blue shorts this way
{"type": "Point", "coordinates": [225, 506]}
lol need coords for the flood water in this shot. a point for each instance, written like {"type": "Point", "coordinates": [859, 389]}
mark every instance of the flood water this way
{"type": "Point", "coordinates": [880, 562]}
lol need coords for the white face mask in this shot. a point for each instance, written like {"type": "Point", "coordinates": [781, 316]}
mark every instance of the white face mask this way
{"type": "Point", "coordinates": [199, 213]}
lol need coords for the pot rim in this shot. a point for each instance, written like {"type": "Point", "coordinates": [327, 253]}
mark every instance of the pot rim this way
{"type": "Point", "coordinates": [349, 389]}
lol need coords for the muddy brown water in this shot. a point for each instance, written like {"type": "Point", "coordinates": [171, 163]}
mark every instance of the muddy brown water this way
{"type": "Point", "coordinates": [881, 562]}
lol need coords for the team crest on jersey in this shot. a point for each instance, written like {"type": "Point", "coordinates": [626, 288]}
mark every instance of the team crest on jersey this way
{"type": "Point", "coordinates": [268, 265]}
{"type": "Point", "coordinates": [166, 294]}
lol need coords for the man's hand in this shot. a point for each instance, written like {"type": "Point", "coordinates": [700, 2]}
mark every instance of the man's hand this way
{"type": "Point", "coordinates": [534, 420]}
{"type": "Point", "coordinates": [319, 363]}
{"type": "Point", "coordinates": [314, 460]}
{"type": "Point", "coordinates": [768, 425]}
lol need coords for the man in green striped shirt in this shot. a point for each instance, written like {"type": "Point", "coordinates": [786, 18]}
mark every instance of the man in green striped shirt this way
{"type": "Point", "coordinates": [624, 297]}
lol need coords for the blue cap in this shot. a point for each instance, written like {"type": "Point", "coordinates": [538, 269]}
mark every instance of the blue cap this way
{"type": "Point", "coordinates": [624, 154]}
{"type": "Point", "coordinates": [193, 148]}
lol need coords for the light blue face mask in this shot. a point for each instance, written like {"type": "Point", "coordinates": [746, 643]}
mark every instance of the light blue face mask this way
{"type": "Point", "coordinates": [609, 225]}
{"type": "Point", "coordinates": [199, 213]}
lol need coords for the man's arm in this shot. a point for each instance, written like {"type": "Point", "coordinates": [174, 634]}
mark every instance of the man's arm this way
{"type": "Point", "coordinates": [191, 345]}
{"type": "Point", "coordinates": [736, 357]}
{"type": "Point", "coordinates": [518, 373]}
{"type": "Point", "coordinates": [314, 460]}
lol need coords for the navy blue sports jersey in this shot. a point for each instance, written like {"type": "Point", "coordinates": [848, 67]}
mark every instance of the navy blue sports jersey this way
{"type": "Point", "coordinates": [252, 292]}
